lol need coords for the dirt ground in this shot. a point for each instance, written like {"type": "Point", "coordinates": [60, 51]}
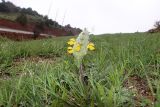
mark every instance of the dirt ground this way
{"type": "Point", "coordinates": [140, 88]}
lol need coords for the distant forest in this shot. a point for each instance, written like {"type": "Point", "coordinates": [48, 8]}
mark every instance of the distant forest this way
{"type": "Point", "coordinates": [10, 7]}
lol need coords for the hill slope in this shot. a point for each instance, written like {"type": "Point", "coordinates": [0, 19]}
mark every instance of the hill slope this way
{"type": "Point", "coordinates": [15, 17]}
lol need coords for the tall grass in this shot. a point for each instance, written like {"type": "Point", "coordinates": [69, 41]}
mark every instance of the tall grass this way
{"type": "Point", "coordinates": [117, 57]}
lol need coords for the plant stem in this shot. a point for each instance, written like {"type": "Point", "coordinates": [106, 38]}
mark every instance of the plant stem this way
{"type": "Point", "coordinates": [82, 77]}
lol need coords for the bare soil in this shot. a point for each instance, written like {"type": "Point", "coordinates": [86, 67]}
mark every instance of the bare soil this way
{"type": "Point", "coordinates": [140, 88]}
{"type": "Point", "coordinates": [35, 59]}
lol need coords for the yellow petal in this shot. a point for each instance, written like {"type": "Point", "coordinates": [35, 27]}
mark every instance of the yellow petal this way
{"type": "Point", "coordinates": [91, 48]}
{"type": "Point", "coordinates": [72, 39]}
{"type": "Point", "coordinates": [88, 46]}
{"type": "Point", "coordinates": [78, 47]}
{"type": "Point", "coordinates": [70, 51]}
{"type": "Point", "coordinates": [91, 44]}
{"type": "Point", "coordinates": [71, 42]}
{"type": "Point", "coordinates": [69, 48]}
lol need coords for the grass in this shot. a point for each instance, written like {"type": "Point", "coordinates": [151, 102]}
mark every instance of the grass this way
{"type": "Point", "coordinates": [13, 16]}
{"type": "Point", "coordinates": [40, 73]}
{"type": "Point", "coordinates": [9, 16]}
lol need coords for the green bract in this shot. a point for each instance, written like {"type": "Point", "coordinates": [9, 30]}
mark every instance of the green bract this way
{"type": "Point", "coordinates": [82, 40]}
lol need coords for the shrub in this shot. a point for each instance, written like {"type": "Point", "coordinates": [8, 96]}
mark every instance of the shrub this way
{"type": "Point", "coordinates": [156, 29]}
{"type": "Point", "coordinates": [157, 25]}
{"type": "Point", "coordinates": [22, 19]}
{"type": "Point", "coordinates": [29, 11]}
{"type": "Point", "coordinates": [39, 27]}
{"type": "Point", "coordinates": [8, 7]}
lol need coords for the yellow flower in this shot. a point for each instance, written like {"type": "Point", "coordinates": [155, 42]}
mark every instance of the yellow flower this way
{"type": "Point", "coordinates": [78, 47]}
{"type": "Point", "coordinates": [91, 46]}
{"type": "Point", "coordinates": [71, 41]}
{"type": "Point", "coordinates": [70, 50]}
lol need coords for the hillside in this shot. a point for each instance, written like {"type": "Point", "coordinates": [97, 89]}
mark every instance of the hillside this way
{"type": "Point", "coordinates": [27, 19]}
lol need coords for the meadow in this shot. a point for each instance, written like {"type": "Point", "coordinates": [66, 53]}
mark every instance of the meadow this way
{"type": "Point", "coordinates": [123, 71]}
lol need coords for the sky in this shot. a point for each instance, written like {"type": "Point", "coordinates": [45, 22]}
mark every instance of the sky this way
{"type": "Point", "coordinates": [99, 16]}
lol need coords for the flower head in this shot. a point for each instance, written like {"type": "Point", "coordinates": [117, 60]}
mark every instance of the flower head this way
{"type": "Point", "coordinates": [79, 47]}
{"type": "Point", "coordinates": [70, 50]}
{"type": "Point", "coordinates": [90, 46]}
{"type": "Point", "coordinates": [71, 41]}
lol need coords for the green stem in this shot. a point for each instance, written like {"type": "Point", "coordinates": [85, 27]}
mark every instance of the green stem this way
{"type": "Point", "coordinates": [82, 77]}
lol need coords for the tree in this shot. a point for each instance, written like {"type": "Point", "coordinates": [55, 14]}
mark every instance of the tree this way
{"type": "Point", "coordinates": [29, 11]}
{"type": "Point", "coordinates": [36, 32]}
{"type": "Point", "coordinates": [3, 1]}
{"type": "Point", "coordinates": [45, 17]}
{"type": "Point", "coordinates": [38, 29]}
{"type": "Point", "coordinates": [4, 7]}
{"type": "Point", "coordinates": [40, 25]}
{"type": "Point", "coordinates": [22, 19]}
{"type": "Point", "coordinates": [157, 25]}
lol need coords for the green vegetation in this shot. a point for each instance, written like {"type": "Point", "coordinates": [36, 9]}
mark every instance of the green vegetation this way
{"type": "Point", "coordinates": [22, 19]}
{"type": "Point", "coordinates": [9, 16]}
{"type": "Point", "coordinates": [13, 17]}
{"type": "Point", "coordinates": [40, 73]}
{"type": "Point", "coordinates": [156, 28]}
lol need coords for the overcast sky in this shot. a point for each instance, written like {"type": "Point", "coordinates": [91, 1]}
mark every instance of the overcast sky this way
{"type": "Point", "coordinates": [99, 16]}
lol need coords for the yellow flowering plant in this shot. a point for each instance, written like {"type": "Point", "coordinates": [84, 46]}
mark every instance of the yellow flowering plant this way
{"type": "Point", "coordinates": [79, 47]}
